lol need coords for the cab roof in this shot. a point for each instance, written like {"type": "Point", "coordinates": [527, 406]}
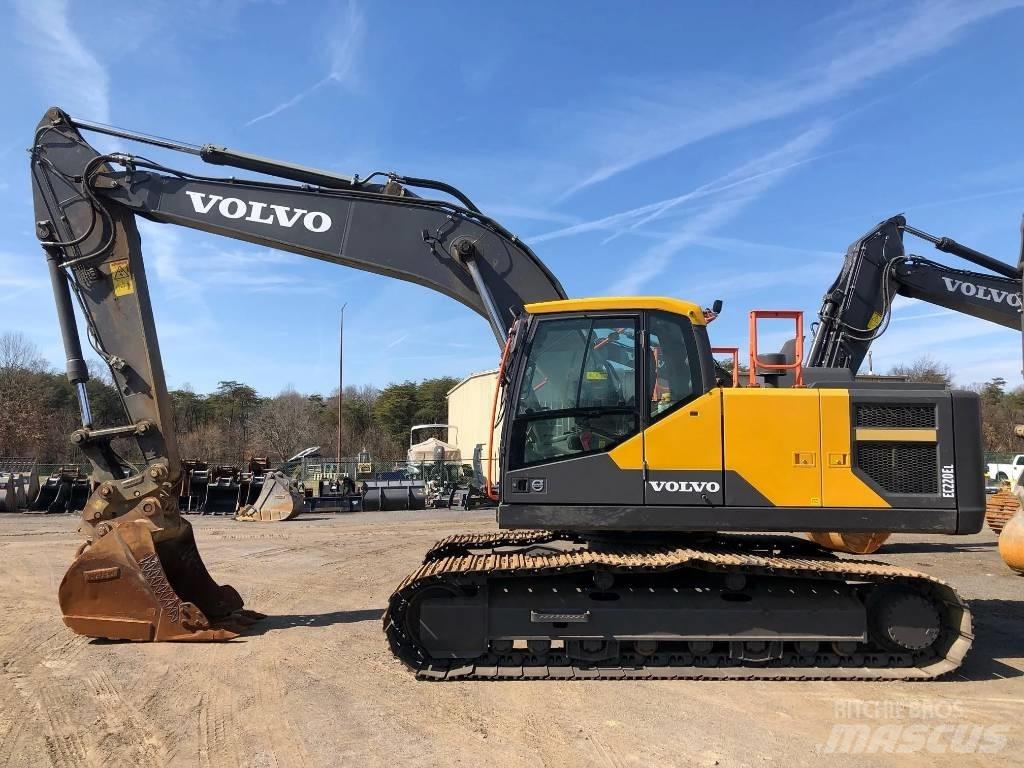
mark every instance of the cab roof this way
{"type": "Point", "coordinates": [605, 303]}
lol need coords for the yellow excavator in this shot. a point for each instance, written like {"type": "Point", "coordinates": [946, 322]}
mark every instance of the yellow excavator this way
{"type": "Point", "coordinates": [636, 485]}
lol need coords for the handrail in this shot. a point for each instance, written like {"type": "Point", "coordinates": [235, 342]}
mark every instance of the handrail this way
{"type": "Point", "coordinates": [797, 365]}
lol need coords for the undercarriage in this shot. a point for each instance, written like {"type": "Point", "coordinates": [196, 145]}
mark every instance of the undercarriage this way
{"type": "Point", "coordinates": [536, 604]}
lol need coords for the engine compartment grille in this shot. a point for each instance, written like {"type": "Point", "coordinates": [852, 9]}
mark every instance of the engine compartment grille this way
{"type": "Point", "coordinates": [895, 416]}
{"type": "Point", "coordinates": [901, 467]}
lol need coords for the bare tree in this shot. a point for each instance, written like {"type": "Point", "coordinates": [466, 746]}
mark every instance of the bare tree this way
{"type": "Point", "coordinates": [283, 425]}
{"type": "Point", "coordinates": [18, 352]}
{"type": "Point", "coordinates": [924, 369]}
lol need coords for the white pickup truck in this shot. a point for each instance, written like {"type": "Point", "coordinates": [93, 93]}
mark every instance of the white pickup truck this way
{"type": "Point", "coordinates": [998, 472]}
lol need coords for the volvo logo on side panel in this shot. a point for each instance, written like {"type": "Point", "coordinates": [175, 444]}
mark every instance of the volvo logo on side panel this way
{"type": "Point", "coordinates": [694, 486]}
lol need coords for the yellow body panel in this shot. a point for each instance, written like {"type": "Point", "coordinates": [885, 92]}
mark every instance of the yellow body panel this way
{"type": "Point", "coordinates": [792, 445]}
{"type": "Point", "coordinates": [900, 435]}
{"type": "Point", "coordinates": [840, 487]}
{"type": "Point", "coordinates": [689, 438]}
{"type": "Point", "coordinates": [773, 439]}
{"type": "Point", "coordinates": [605, 303]}
{"type": "Point", "coordinates": [630, 454]}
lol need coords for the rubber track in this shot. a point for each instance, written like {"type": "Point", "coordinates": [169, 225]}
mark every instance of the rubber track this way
{"type": "Point", "coordinates": [725, 556]}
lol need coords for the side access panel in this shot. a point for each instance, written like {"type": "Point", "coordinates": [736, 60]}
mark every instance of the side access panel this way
{"type": "Point", "coordinates": [684, 455]}
{"type": "Point", "coordinates": [772, 447]}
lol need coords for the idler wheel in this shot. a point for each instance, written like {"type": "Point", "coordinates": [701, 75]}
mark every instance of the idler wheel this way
{"type": "Point", "coordinates": [904, 621]}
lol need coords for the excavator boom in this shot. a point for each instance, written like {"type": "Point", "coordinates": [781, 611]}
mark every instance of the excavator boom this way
{"type": "Point", "coordinates": [139, 575]}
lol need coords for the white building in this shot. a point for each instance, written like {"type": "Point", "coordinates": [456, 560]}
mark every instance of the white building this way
{"type": "Point", "coordinates": [469, 409]}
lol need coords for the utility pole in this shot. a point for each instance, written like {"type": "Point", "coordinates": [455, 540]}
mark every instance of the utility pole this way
{"type": "Point", "coordinates": [341, 377]}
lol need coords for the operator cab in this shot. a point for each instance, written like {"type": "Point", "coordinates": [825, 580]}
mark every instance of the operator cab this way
{"type": "Point", "coordinates": [576, 392]}
{"type": "Point", "coordinates": [593, 375]}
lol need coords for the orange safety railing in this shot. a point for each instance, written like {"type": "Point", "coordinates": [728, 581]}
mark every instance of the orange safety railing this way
{"type": "Point", "coordinates": [797, 365]}
{"type": "Point", "coordinates": [735, 352]}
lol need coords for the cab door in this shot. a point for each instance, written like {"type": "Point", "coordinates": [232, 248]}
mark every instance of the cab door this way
{"type": "Point", "coordinates": [682, 438]}
{"type": "Point", "coordinates": [575, 403]}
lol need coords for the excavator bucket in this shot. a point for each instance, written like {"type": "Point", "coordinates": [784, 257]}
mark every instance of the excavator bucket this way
{"type": "Point", "coordinates": [81, 487]}
{"type": "Point", "coordinates": [279, 499]}
{"type": "Point", "coordinates": [30, 481]}
{"type": "Point", "coordinates": [222, 492]}
{"type": "Point", "coordinates": [850, 543]}
{"type": "Point", "coordinates": [126, 586]}
{"type": "Point", "coordinates": [20, 497]}
{"type": "Point", "coordinates": [8, 492]}
{"type": "Point", "coordinates": [198, 485]}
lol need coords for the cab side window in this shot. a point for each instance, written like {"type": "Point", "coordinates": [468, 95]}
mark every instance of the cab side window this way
{"type": "Point", "coordinates": [578, 391]}
{"type": "Point", "coordinates": [673, 363]}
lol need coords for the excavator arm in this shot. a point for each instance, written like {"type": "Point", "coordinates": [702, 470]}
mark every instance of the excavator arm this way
{"type": "Point", "coordinates": [85, 205]}
{"type": "Point", "coordinates": [857, 307]}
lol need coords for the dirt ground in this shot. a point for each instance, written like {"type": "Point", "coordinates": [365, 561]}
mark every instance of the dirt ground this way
{"type": "Point", "coordinates": [317, 686]}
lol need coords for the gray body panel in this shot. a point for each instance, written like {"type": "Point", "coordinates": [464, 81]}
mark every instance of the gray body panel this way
{"type": "Point", "coordinates": [695, 518]}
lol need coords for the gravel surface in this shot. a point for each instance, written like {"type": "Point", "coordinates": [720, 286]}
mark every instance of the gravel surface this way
{"type": "Point", "coordinates": [317, 686]}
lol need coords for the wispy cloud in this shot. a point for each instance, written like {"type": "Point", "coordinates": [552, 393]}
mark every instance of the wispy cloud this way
{"type": "Point", "coordinates": [969, 337]}
{"type": "Point", "coordinates": [728, 195]}
{"type": "Point", "coordinates": [749, 176]}
{"type": "Point", "coordinates": [189, 270]}
{"type": "Point", "coordinates": [344, 39]}
{"type": "Point", "coordinates": [760, 179]}
{"type": "Point", "coordinates": [654, 121]}
{"type": "Point", "coordinates": [67, 71]}
{"type": "Point", "coordinates": [506, 211]}
{"type": "Point", "coordinates": [15, 273]}
{"type": "Point", "coordinates": [395, 342]}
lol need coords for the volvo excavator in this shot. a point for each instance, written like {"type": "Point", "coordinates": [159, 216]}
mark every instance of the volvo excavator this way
{"type": "Point", "coordinates": [635, 487]}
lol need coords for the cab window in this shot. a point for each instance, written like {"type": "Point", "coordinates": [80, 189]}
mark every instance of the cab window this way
{"type": "Point", "coordinates": [578, 391]}
{"type": "Point", "coordinates": [673, 364]}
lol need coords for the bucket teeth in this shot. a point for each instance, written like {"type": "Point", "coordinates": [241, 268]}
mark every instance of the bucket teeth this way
{"type": "Point", "coordinates": [125, 586]}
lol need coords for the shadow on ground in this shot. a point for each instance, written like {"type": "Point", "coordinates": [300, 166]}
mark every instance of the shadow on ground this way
{"type": "Point", "coordinates": [928, 547]}
{"type": "Point", "coordinates": [998, 634]}
{"type": "Point", "coordinates": [293, 620]}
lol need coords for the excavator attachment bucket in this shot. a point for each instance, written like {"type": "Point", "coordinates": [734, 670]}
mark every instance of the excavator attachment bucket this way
{"type": "Point", "coordinates": [8, 492]}
{"type": "Point", "coordinates": [850, 543]}
{"type": "Point", "coordinates": [279, 499]}
{"type": "Point", "coordinates": [126, 586]}
{"type": "Point", "coordinates": [222, 491]}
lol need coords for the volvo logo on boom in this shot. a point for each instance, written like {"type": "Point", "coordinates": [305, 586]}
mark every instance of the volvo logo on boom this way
{"type": "Point", "coordinates": [982, 292]}
{"type": "Point", "coordinates": [694, 486]}
{"type": "Point", "coordinates": [261, 213]}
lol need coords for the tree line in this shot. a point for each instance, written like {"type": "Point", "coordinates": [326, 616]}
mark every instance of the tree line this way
{"type": "Point", "coordinates": [39, 410]}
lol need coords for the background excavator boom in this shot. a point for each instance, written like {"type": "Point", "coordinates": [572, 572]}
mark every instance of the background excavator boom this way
{"type": "Point", "coordinates": [856, 308]}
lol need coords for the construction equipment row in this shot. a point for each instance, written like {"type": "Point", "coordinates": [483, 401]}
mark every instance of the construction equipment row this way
{"type": "Point", "coordinates": [64, 490]}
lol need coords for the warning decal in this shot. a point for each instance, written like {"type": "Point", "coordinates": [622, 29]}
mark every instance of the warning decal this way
{"type": "Point", "coordinates": [122, 277]}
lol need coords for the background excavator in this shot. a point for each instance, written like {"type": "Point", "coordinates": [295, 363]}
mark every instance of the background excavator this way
{"type": "Point", "coordinates": [630, 478]}
{"type": "Point", "coordinates": [857, 308]}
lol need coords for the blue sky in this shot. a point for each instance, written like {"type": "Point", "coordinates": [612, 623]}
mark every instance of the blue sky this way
{"type": "Point", "coordinates": [696, 150]}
